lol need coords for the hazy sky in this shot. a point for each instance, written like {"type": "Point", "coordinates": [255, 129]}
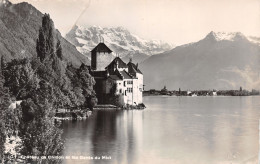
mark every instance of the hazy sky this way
{"type": "Point", "coordinates": [174, 21]}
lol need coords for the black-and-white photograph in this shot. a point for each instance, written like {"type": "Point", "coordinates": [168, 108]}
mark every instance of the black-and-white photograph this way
{"type": "Point", "coordinates": [130, 81]}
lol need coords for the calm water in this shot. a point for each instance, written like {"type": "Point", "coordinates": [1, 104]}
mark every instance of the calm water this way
{"type": "Point", "coordinates": [185, 130]}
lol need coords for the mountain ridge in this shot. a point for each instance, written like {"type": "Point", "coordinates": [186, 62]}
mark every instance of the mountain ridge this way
{"type": "Point", "coordinates": [210, 63]}
{"type": "Point", "coordinates": [19, 27]}
{"type": "Point", "coordinates": [119, 39]}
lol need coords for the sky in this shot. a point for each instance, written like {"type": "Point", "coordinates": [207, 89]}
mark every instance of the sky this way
{"type": "Point", "coordinates": [175, 21]}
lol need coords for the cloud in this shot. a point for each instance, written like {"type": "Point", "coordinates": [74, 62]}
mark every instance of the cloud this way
{"type": "Point", "coordinates": [248, 76]}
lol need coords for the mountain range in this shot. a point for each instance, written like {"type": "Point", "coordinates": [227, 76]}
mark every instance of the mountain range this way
{"type": "Point", "coordinates": [19, 28]}
{"type": "Point", "coordinates": [118, 39]}
{"type": "Point", "coordinates": [218, 61]}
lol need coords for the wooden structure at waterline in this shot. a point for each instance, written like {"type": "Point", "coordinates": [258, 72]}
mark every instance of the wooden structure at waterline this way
{"type": "Point", "coordinates": [72, 114]}
{"type": "Point", "coordinates": [105, 106]}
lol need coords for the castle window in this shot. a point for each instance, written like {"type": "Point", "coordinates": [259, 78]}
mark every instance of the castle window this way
{"type": "Point", "coordinates": [125, 92]}
{"type": "Point", "coordinates": [130, 90]}
{"type": "Point", "coordinates": [120, 90]}
{"type": "Point", "coordinates": [129, 82]}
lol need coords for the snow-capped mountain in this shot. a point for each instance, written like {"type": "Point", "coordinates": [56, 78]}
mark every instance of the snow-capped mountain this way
{"type": "Point", "coordinates": [118, 39]}
{"type": "Point", "coordinates": [231, 36]}
{"type": "Point", "coordinates": [218, 61]}
{"type": "Point", "coordinates": [254, 39]}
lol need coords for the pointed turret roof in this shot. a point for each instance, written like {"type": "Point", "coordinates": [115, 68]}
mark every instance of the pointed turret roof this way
{"type": "Point", "coordinates": [101, 47]}
{"type": "Point", "coordinates": [122, 74]}
{"type": "Point", "coordinates": [132, 68]}
{"type": "Point", "coordinates": [120, 62]}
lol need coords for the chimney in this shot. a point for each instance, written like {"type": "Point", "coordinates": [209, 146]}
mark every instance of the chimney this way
{"type": "Point", "coordinates": [130, 60]}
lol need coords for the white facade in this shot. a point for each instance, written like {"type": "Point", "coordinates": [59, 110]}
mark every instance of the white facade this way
{"type": "Point", "coordinates": [120, 87]}
{"type": "Point", "coordinates": [139, 88]}
{"type": "Point", "coordinates": [132, 90]}
{"type": "Point", "coordinates": [129, 91]}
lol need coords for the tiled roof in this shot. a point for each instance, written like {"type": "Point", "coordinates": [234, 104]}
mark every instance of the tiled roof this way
{"type": "Point", "coordinates": [115, 77]}
{"type": "Point", "coordinates": [101, 47]}
{"type": "Point", "coordinates": [121, 64]}
{"type": "Point", "coordinates": [125, 75]}
{"type": "Point", "coordinates": [132, 68]}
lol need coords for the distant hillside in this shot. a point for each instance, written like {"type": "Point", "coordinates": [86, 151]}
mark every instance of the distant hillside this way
{"type": "Point", "coordinates": [19, 27]}
{"type": "Point", "coordinates": [119, 39]}
{"type": "Point", "coordinates": [219, 61]}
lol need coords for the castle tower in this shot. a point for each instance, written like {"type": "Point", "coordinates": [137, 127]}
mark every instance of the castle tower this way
{"type": "Point", "coordinates": [101, 56]}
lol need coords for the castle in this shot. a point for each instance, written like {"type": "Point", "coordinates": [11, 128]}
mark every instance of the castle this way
{"type": "Point", "coordinates": [110, 71]}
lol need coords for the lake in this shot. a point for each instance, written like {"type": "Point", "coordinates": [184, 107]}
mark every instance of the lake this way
{"type": "Point", "coordinates": [171, 130]}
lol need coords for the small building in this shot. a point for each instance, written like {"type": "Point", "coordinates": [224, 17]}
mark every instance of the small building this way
{"type": "Point", "coordinates": [164, 91]}
{"type": "Point", "coordinates": [115, 74]}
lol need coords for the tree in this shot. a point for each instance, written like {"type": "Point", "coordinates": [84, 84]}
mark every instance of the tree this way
{"type": "Point", "coordinates": [20, 78]}
{"type": "Point", "coordinates": [2, 64]}
{"type": "Point", "coordinates": [45, 50]}
{"type": "Point", "coordinates": [86, 82]}
{"type": "Point", "coordinates": [45, 41]}
{"type": "Point", "coordinates": [38, 131]}
{"type": "Point", "coordinates": [48, 64]}
{"type": "Point", "coordinates": [114, 98]}
{"type": "Point", "coordinates": [81, 83]}
{"type": "Point", "coordinates": [4, 103]}
{"type": "Point", "coordinates": [59, 50]}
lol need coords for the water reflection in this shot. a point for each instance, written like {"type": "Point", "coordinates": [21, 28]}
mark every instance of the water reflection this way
{"type": "Point", "coordinates": [171, 130]}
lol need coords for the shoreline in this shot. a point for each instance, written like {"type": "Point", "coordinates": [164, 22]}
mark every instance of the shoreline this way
{"type": "Point", "coordinates": [82, 115]}
{"type": "Point", "coordinates": [198, 95]}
